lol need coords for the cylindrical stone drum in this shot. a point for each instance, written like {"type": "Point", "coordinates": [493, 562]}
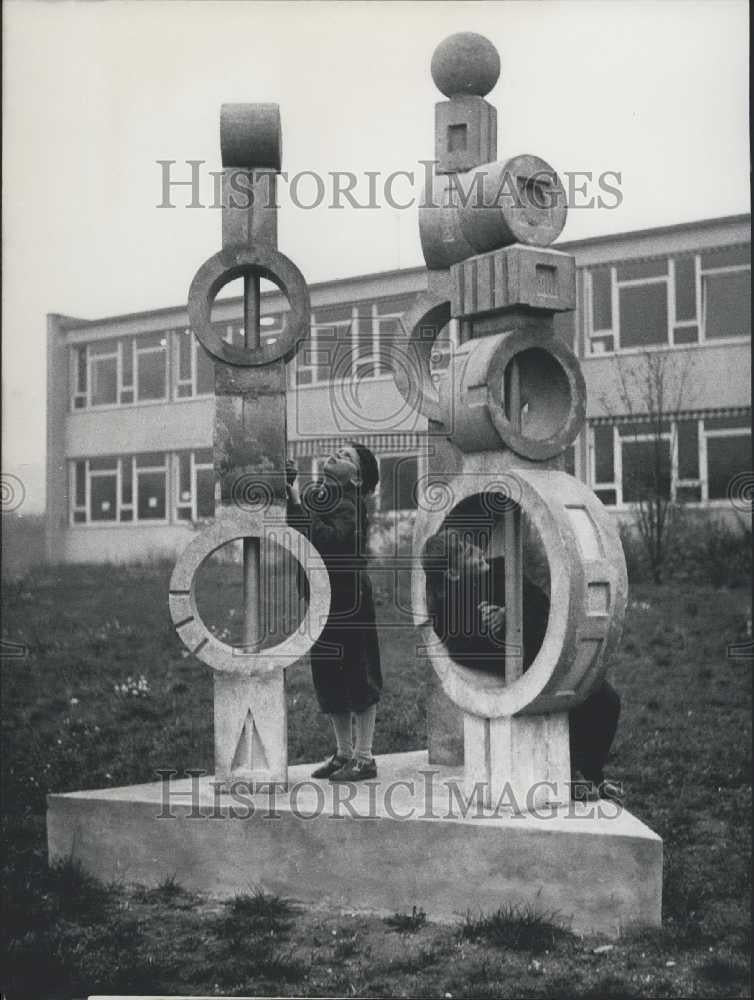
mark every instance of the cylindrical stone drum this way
{"type": "Point", "coordinates": [473, 404]}
{"type": "Point", "coordinates": [521, 200]}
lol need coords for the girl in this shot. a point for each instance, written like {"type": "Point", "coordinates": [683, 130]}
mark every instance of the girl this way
{"type": "Point", "coordinates": [346, 657]}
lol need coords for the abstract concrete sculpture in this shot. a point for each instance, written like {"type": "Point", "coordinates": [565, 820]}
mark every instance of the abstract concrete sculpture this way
{"type": "Point", "coordinates": [513, 401]}
{"type": "Point", "coordinates": [499, 424]}
{"type": "Point", "coordinates": [249, 454]}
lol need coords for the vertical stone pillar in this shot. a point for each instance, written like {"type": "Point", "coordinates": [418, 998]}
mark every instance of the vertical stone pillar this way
{"type": "Point", "coordinates": [249, 451]}
{"type": "Point", "coordinates": [499, 424]}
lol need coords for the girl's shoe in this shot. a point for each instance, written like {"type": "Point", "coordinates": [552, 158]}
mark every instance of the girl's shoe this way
{"type": "Point", "coordinates": [612, 791]}
{"type": "Point", "coordinates": [583, 789]}
{"type": "Point", "coordinates": [335, 763]}
{"type": "Point", "coordinates": [357, 769]}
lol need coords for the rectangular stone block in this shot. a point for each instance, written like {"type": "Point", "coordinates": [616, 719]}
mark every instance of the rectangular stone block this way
{"type": "Point", "coordinates": [444, 724]}
{"type": "Point", "coordinates": [465, 134]}
{"type": "Point", "coordinates": [251, 738]}
{"type": "Point", "coordinates": [515, 277]}
{"type": "Point", "coordinates": [250, 434]}
{"type": "Point", "coordinates": [249, 207]}
{"type": "Point", "coordinates": [409, 838]}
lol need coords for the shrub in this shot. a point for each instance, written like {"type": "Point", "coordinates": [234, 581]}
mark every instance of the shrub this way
{"type": "Point", "coordinates": [520, 928]}
{"type": "Point", "coordinates": [702, 548]}
{"type": "Point", "coordinates": [710, 549]}
{"type": "Point", "coordinates": [633, 550]}
{"type": "Point", "coordinates": [407, 923]}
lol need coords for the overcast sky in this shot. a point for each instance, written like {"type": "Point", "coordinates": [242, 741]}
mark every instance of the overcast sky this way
{"type": "Point", "coordinates": [96, 93]}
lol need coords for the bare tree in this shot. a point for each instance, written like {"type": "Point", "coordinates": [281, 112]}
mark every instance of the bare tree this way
{"type": "Point", "coordinates": [650, 390]}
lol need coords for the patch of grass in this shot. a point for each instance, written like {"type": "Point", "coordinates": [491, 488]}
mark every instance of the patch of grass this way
{"type": "Point", "coordinates": [681, 753]}
{"type": "Point", "coordinates": [257, 914]}
{"type": "Point", "coordinates": [407, 923]}
{"type": "Point", "coordinates": [521, 928]}
{"type": "Point", "coordinates": [259, 905]}
{"type": "Point", "coordinates": [168, 893]}
{"type": "Point", "coordinates": [724, 972]}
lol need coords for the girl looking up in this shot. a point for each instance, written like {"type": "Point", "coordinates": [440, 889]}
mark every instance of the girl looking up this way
{"type": "Point", "coordinates": [346, 658]}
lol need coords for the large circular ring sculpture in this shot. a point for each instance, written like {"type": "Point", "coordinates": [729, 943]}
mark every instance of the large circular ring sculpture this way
{"type": "Point", "coordinates": [551, 386]}
{"type": "Point", "coordinates": [194, 633]}
{"type": "Point", "coordinates": [588, 587]}
{"type": "Point", "coordinates": [410, 359]}
{"type": "Point", "coordinates": [235, 262]}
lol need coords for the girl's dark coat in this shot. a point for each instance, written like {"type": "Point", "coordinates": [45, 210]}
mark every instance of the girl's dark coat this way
{"type": "Point", "coordinates": [346, 658]}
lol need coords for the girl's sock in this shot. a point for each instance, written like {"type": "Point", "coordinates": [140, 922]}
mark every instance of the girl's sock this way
{"type": "Point", "coordinates": [365, 732]}
{"type": "Point", "coordinates": [341, 723]}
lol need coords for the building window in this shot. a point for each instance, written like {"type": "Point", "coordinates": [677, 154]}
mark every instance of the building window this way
{"type": "Point", "coordinates": [398, 478]}
{"type": "Point", "coordinates": [727, 447]}
{"type": "Point", "coordinates": [348, 341]}
{"type": "Point", "coordinates": [151, 486]}
{"type": "Point", "coordinates": [689, 461]}
{"type": "Point", "coordinates": [194, 484]}
{"type": "Point", "coordinates": [643, 314]}
{"type": "Point", "coordinates": [103, 360]}
{"type": "Point", "coordinates": [326, 354]}
{"type": "Point", "coordinates": [103, 489]}
{"type": "Point", "coordinates": [645, 463]}
{"type": "Point", "coordinates": [194, 372]}
{"type": "Point", "coordinates": [150, 366]}
{"type": "Point", "coordinates": [684, 288]}
{"type": "Point", "coordinates": [726, 293]}
{"type": "Point", "coordinates": [122, 488]}
{"type": "Point", "coordinates": [684, 300]}
{"type": "Point", "coordinates": [119, 371]}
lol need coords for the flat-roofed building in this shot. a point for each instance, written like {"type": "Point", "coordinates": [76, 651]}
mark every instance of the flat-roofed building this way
{"type": "Point", "coordinates": [131, 409]}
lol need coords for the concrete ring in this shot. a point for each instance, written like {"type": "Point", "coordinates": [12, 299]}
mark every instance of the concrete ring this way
{"type": "Point", "coordinates": [588, 591]}
{"type": "Point", "coordinates": [410, 358]}
{"type": "Point", "coordinates": [195, 635]}
{"type": "Point", "coordinates": [558, 415]}
{"type": "Point", "coordinates": [235, 262]}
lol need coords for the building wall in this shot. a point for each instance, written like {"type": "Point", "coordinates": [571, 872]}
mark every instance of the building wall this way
{"type": "Point", "coordinates": [614, 276]}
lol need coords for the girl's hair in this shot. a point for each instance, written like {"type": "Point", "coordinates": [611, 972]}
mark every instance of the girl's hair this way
{"type": "Point", "coordinates": [443, 552]}
{"type": "Point", "coordinates": [370, 476]}
{"type": "Point", "coordinates": [370, 471]}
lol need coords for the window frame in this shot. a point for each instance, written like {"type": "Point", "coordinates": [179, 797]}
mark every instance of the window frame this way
{"type": "Point", "coordinates": [176, 379]}
{"type": "Point", "coordinates": [117, 521]}
{"type": "Point", "coordinates": [124, 343]}
{"type": "Point", "coordinates": [363, 310]}
{"type": "Point", "coordinates": [593, 336]}
{"type": "Point", "coordinates": [195, 467]}
{"type": "Point", "coordinates": [162, 348]}
{"type": "Point", "coordinates": [702, 273]}
{"type": "Point", "coordinates": [704, 437]}
{"type": "Point", "coordinates": [677, 483]}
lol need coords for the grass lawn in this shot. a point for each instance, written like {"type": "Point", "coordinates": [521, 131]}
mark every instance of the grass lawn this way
{"type": "Point", "coordinates": [106, 695]}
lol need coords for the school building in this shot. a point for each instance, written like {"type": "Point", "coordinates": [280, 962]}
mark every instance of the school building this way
{"type": "Point", "coordinates": [130, 406]}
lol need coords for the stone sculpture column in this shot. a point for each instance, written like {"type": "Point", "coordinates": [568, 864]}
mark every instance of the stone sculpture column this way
{"type": "Point", "coordinates": [249, 456]}
{"type": "Point", "coordinates": [513, 401]}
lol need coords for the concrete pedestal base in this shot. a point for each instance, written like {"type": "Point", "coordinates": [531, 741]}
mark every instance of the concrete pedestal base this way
{"type": "Point", "coordinates": [380, 846]}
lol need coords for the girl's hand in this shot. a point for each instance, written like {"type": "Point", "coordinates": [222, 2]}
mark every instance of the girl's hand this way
{"type": "Point", "coordinates": [492, 616]}
{"type": "Point", "coordinates": [293, 493]}
{"type": "Point", "coordinates": [291, 473]}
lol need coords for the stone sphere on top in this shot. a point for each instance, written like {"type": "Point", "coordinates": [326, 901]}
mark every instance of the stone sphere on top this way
{"type": "Point", "coordinates": [465, 63]}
